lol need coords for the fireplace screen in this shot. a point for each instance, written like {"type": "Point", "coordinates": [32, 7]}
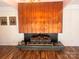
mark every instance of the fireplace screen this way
{"type": "Point", "coordinates": [43, 17]}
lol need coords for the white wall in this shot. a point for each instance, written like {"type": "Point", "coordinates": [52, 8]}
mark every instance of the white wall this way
{"type": "Point", "coordinates": [9, 35]}
{"type": "Point", "coordinates": [70, 35]}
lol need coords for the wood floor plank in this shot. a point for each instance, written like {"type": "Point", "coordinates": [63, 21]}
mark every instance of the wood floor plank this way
{"type": "Point", "coordinates": [10, 52]}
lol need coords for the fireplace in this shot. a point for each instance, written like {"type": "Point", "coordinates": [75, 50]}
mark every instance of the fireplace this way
{"type": "Point", "coordinates": [40, 23]}
{"type": "Point", "coordinates": [52, 37]}
{"type": "Point", "coordinates": [44, 41]}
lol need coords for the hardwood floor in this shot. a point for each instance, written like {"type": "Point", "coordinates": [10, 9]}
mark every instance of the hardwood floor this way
{"type": "Point", "coordinates": [68, 53]}
{"type": "Point", "coordinates": [10, 52]}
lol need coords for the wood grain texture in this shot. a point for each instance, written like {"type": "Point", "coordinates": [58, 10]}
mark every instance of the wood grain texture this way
{"type": "Point", "coordinates": [45, 17]}
{"type": "Point", "coordinates": [68, 53]}
{"type": "Point", "coordinates": [7, 52]}
{"type": "Point", "coordinates": [10, 52]}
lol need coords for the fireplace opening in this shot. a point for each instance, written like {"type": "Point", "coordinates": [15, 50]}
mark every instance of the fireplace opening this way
{"type": "Point", "coordinates": [46, 37]}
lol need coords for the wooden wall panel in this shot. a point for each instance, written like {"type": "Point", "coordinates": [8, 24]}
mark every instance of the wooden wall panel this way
{"type": "Point", "coordinates": [20, 17]}
{"type": "Point", "coordinates": [45, 17]}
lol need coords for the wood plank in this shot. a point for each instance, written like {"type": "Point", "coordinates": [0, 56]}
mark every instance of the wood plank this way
{"type": "Point", "coordinates": [10, 52]}
{"type": "Point", "coordinates": [40, 17]}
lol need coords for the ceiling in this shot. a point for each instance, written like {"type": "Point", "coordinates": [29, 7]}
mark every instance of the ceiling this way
{"type": "Point", "coordinates": [13, 3]}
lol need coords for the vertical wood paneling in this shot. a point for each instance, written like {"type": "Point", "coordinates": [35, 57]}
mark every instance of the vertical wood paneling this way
{"type": "Point", "coordinates": [20, 17]}
{"type": "Point", "coordinates": [45, 17]}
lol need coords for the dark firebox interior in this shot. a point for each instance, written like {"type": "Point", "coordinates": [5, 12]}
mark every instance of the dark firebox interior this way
{"type": "Point", "coordinates": [52, 36]}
